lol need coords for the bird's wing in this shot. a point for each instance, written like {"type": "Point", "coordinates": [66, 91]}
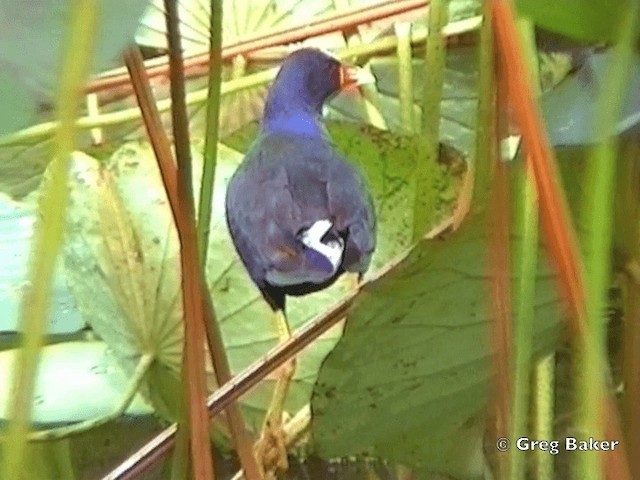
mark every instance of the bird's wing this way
{"type": "Point", "coordinates": [267, 209]}
{"type": "Point", "coordinates": [351, 205]}
{"type": "Point", "coordinates": [327, 186]}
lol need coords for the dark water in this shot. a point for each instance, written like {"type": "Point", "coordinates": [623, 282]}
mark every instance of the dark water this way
{"type": "Point", "coordinates": [97, 452]}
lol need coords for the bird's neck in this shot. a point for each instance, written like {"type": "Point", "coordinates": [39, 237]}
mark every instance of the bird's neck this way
{"type": "Point", "coordinates": [282, 117]}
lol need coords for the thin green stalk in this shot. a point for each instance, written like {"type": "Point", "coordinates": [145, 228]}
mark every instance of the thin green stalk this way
{"type": "Point", "coordinates": [486, 132]}
{"type": "Point", "coordinates": [527, 35]}
{"type": "Point", "coordinates": [372, 107]}
{"type": "Point", "coordinates": [212, 127]}
{"type": "Point", "coordinates": [239, 434]}
{"type": "Point", "coordinates": [544, 381]}
{"type": "Point", "coordinates": [405, 74]}
{"type": "Point", "coordinates": [425, 199]}
{"type": "Point", "coordinates": [434, 66]}
{"type": "Point", "coordinates": [180, 466]}
{"type": "Point", "coordinates": [48, 233]}
{"type": "Point", "coordinates": [525, 292]}
{"type": "Point", "coordinates": [598, 218]}
{"type": "Point", "coordinates": [115, 118]}
{"type": "Point", "coordinates": [523, 328]}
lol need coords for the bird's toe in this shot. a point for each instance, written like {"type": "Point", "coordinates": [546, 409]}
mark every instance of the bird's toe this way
{"type": "Point", "coordinates": [271, 451]}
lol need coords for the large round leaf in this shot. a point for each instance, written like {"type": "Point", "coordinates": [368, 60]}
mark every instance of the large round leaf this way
{"type": "Point", "coordinates": [570, 111]}
{"type": "Point", "coordinates": [33, 34]}
{"type": "Point", "coordinates": [76, 381]}
{"type": "Point", "coordinates": [410, 375]}
{"type": "Point", "coordinates": [16, 234]}
{"type": "Point", "coordinates": [122, 265]}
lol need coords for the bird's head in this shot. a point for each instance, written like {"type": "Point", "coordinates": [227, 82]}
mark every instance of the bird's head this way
{"type": "Point", "coordinates": [307, 78]}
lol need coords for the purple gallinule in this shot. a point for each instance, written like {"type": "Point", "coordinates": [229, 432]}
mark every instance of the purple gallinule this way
{"type": "Point", "coordinates": [299, 214]}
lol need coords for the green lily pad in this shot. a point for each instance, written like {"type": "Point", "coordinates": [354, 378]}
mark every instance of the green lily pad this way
{"type": "Point", "coordinates": [413, 368]}
{"type": "Point", "coordinates": [17, 108]}
{"type": "Point", "coordinates": [459, 95]}
{"type": "Point", "coordinates": [76, 381]}
{"type": "Point", "coordinates": [122, 265]}
{"type": "Point", "coordinates": [239, 19]}
{"type": "Point", "coordinates": [30, 71]}
{"type": "Point", "coordinates": [22, 165]}
{"type": "Point", "coordinates": [16, 232]}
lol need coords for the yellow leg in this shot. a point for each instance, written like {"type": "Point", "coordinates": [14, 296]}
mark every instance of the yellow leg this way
{"type": "Point", "coordinates": [271, 449]}
{"type": "Point", "coordinates": [352, 281]}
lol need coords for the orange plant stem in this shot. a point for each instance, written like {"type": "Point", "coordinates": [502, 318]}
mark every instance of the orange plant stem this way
{"type": "Point", "coordinates": [151, 119]}
{"type": "Point", "coordinates": [196, 420]}
{"type": "Point", "coordinates": [164, 156]}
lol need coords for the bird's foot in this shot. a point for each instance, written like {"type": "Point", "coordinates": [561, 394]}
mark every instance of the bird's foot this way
{"type": "Point", "coordinates": [271, 450]}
